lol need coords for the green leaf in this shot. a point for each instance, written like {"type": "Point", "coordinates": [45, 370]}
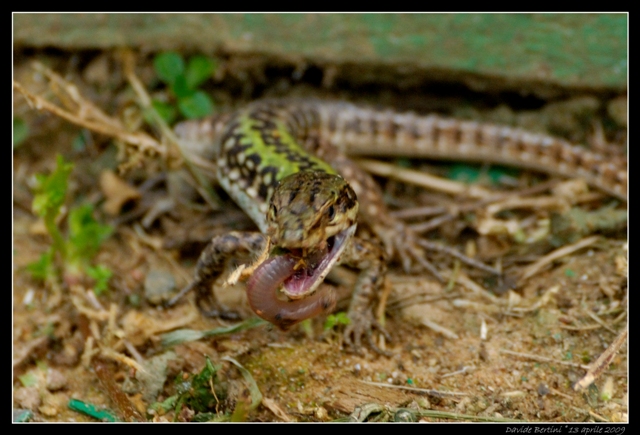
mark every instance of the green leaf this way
{"type": "Point", "coordinates": [101, 275]}
{"type": "Point", "coordinates": [166, 111]}
{"type": "Point", "coordinates": [464, 173]}
{"type": "Point", "coordinates": [199, 69]}
{"type": "Point", "coordinates": [20, 131]}
{"type": "Point", "coordinates": [85, 233]}
{"type": "Point", "coordinates": [49, 195]}
{"type": "Point", "coordinates": [180, 88]}
{"type": "Point", "coordinates": [28, 379]}
{"type": "Point", "coordinates": [254, 391]}
{"type": "Point", "coordinates": [469, 173]}
{"type": "Point", "coordinates": [196, 392]}
{"type": "Point", "coordinates": [333, 320]}
{"type": "Point", "coordinates": [197, 105]}
{"type": "Point", "coordinates": [166, 405]}
{"type": "Point", "coordinates": [179, 336]}
{"type": "Point", "coordinates": [50, 191]}
{"type": "Point", "coordinates": [42, 269]}
{"type": "Point", "coordinates": [169, 66]}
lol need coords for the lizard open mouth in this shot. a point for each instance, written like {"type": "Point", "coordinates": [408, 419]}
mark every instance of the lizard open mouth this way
{"type": "Point", "coordinates": [299, 277]}
{"type": "Point", "coordinates": [311, 270]}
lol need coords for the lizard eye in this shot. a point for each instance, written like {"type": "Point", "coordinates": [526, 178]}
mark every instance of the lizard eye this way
{"type": "Point", "coordinates": [331, 212]}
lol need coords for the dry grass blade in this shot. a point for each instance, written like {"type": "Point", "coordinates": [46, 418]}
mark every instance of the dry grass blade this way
{"type": "Point", "coordinates": [144, 142]}
{"type": "Point", "coordinates": [86, 108]}
{"type": "Point", "coordinates": [256, 395]}
{"type": "Point", "coordinates": [439, 329]}
{"type": "Point", "coordinates": [598, 320]}
{"type": "Point", "coordinates": [603, 361]}
{"type": "Point", "coordinates": [277, 410]}
{"type": "Point", "coordinates": [421, 179]}
{"type": "Point", "coordinates": [553, 256]}
{"type": "Point", "coordinates": [431, 224]}
{"type": "Point", "coordinates": [416, 212]}
{"type": "Point", "coordinates": [428, 392]}
{"type": "Point", "coordinates": [541, 301]}
{"type": "Point", "coordinates": [120, 399]}
{"type": "Point", "coordinates": [541, 203]}
{"type": "Point", "coordinates": [456, 416]}
{"type": "Point", "coordinates": [543, 359]}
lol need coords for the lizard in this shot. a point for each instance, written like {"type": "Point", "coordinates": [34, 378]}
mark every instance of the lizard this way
{"type": "Point", "coordinates": [284, 163]}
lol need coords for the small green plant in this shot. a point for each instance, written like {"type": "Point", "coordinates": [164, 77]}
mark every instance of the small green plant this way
{"type": "Point", "coordinates": [101, 275]}
{"type": "Point", "coordinates": [470, 173]}
{"type": "Point", "coordinates": [333, 320]}
{"type": "Point", "coordinates": [200, 392]}
{"type": "Point", "coordinates": [71, 253]}
{"type": "Point", "coordinates": [196, 393]}
{"type": "Point", "coordinates": [183, 81]}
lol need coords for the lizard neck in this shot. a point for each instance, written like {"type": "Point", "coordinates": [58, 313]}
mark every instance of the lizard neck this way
{"type": "Point", "coordinates": [261, 145]}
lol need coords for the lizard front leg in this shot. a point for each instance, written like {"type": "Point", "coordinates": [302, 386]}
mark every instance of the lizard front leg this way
{"type": "Point", "coordinates": [211, 264]}
{"type": "Point", "coordinates": [370, 258]}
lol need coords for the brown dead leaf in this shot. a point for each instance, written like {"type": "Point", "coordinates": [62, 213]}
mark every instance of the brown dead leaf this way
{"type": "Point", "coordinates": [117, 191]}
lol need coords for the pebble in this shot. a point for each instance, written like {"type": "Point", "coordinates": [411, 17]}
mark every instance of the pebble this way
{"type": "Point", "coordinates": [56, 380]}
{"type": "Point", "coordinates": [158, 286]}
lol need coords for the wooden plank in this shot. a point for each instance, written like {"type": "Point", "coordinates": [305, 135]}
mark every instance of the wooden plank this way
{"type": "Point", "coordinates": [574, 50]}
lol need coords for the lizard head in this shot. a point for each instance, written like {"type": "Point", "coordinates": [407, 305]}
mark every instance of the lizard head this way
{"type": "Point", "coordinates": [307, 208]}
{"type": "Point", "coordinates": [311, 217]}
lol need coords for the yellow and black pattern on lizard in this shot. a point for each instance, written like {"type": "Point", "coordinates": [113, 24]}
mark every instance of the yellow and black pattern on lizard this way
{"type": "Point", "coordinates": [258, 148]}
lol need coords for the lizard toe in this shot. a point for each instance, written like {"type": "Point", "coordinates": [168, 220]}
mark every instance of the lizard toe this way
{"type": "Point", "coordinates": [209, 306]}
{"type": "Point", "coordinates": [364, 325]}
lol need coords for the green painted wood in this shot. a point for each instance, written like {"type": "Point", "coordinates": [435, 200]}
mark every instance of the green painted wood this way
{"type": "Point", "coordinates": [575, 50]}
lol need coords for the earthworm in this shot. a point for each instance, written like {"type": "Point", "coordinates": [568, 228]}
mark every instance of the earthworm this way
{"type": "Point", "coordinates": [265, 282]}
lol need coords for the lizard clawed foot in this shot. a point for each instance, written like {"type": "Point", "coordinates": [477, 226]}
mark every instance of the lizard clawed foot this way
{"type": "Point", "coordinates": [209, 306]}
{"type": "Point", "coordinates": [363, 324]}
{"type": "Point", "coordinates": [211, 265]}
{"type": "Point", "coordinates": [410, 248]}
{"type": "Point", "coordinates": [205, 301]}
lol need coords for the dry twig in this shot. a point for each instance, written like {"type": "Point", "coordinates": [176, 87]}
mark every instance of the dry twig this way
{"type": "Point", "coordinates": [599, 365]}
{"type": "Point", "coordinates": [543, 359]}
{"type": "Point", "coordinates": [553, 256]}
{"type": "Point", "coordinates": [144, 142]}
{"type": "Point", "coordinates": [421, 179]}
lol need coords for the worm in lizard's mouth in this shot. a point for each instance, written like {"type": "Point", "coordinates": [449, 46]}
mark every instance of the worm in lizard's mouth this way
{"type": "Point", "coordinates": [299, 277]}
{"type": "Point", "coordinates": [313, 269]}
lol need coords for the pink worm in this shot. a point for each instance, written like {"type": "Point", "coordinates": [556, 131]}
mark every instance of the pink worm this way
{"type": "Point", "coordinates": [262, 288]}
